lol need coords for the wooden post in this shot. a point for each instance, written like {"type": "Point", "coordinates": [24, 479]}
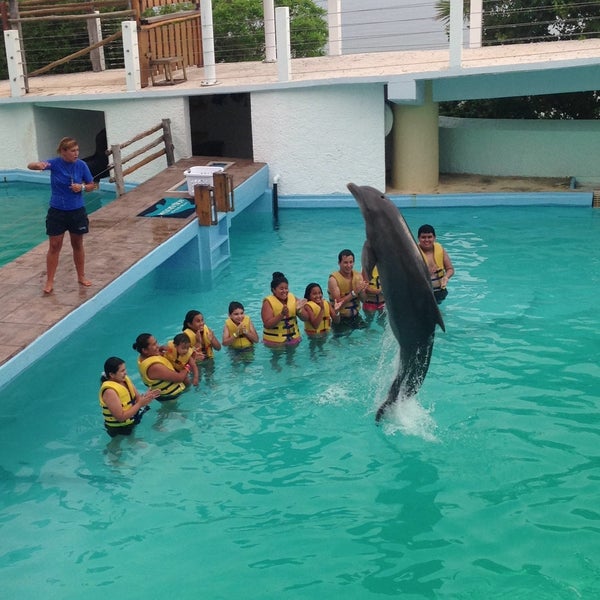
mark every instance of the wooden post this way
{"type": "Point", "coordinates": [166, 125]}
{"type": "Point", "coordinates": [94, 27]}
{"type": "Point", "coordinates": [205, 205]}
{"type": "Point", "coordinates": [223, 185]}
{"type": "Point", "coordinates": [118, 169]}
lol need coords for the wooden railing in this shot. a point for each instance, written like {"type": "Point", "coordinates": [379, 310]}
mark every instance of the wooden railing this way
{"type": "Point", "coordinates": [119, 161]}
{"type": "Point", "coordinates": [175, 34]}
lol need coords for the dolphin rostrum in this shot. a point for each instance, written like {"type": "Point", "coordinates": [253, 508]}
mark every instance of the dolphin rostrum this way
{"type": "Point", "coordinates": [411, 307]}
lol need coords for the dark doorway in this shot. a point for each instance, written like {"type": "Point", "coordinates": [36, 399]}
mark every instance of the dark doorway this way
{"type": "Point", "coordinates": [221, 125]}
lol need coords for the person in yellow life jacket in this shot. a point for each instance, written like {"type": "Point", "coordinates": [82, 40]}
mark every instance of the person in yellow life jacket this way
{"type": "Point", "coordinates": [239, 332]}
{"type": "Point", "coordinates": [280, 312]}
{"type": "Point", "coordinates": [122, 405]}
{"type": "Point", "coordinates": [156, 370]}
{"type": "Point", "coordinates": [201, 336]}
{"type": "Point", "coordinates": [374, 300]}
{"type": "Point", "coordinates": [318, 312]}
{"type": "Point", "coordinates": [437, 260]}
{"type": "Point", "coordinates": [180, 353]}
{"type": "Point", "coordinates": [346, 287]}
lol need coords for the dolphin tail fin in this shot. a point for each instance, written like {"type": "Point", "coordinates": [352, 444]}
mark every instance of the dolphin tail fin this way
{"type": "Point", "coordinates": [391, 397]}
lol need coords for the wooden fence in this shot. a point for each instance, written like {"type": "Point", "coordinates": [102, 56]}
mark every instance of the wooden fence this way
{"type": "Point", "coordinates": [119, 161]}
{"type": "Point", "coordinates": [160, 36]}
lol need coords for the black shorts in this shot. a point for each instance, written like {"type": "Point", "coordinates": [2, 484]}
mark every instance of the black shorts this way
{"type": "Point", "coordinates": [74, 221]}
{"type": "Point", "coordinates": [440, 294]}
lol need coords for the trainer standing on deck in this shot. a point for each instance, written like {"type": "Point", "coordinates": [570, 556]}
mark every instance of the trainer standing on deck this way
{"type": "Point", "coordinates": [69, 178]}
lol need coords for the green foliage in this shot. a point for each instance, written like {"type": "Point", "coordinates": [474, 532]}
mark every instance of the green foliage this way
{"type": "Point", "coordinates": [240, 36]}
{"type": "Point", "coordinates": [525, 21]}
{"type": "Point", "coordinates": [168, 9]}
{"type": "Point", "coordinates": [519, 21]}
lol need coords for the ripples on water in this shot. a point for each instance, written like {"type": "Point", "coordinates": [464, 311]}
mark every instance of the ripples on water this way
{"type": "Point", "coordinates": [273, 483]}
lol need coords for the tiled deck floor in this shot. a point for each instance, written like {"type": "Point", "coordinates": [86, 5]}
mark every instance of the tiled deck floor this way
{"type": "Point", "coordinates": [117, 240]}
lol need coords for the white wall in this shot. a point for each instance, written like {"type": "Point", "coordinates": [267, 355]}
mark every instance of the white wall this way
{"type": "Point", "coordinates": [320, 138]}
{"type": "Point", "coordinates": [18, 135]}
{"type": "Point", "coordinates": [41, 127]}
{"type": "Point", "coordinates": [526, 148]}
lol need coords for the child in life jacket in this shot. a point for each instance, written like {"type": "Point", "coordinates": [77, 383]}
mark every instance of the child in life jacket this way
{"type": "Point", "coordinates": [180, 354]}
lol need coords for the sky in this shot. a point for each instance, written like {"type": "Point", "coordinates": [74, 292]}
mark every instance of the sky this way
{"type": "Point", "coordinates": [386, 25]}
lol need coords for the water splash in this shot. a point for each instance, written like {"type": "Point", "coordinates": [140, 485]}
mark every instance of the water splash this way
{"type": "Point", "coordinates": [407, 415]}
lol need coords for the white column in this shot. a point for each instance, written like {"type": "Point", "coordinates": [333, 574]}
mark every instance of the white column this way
{"type": "Point", "coordinates": [415, 164]}
{"type": "Point", "coordinates": [475, 23]}
{"type": "Point", "coordinates": [334, 18]}
{"type": "Point", "coordinates": [269, 19]}
{"type": "Point", "coordinates": [14, 59]}
{"type": "Point", "coordinates": [132, 56]}
{"type": "Point", "coordinates": [456, 32]}
{"type": "Point", "coordinates": [284, 60]}
{"type": "Point", "coordinates": [208, 43]}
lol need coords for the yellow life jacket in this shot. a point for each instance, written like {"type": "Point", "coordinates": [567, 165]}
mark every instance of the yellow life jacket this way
{"type": "Point", "coordinates": [192, 335]}
{"type": "Point", "coordinates": [178, 362]}
{"type": "Point", "coordinates": [325, 324]}
{"type": "Point", "coordinates": [168, 389]}
{"type": "Point", "coordinates": [204, 342]}
{"type": "Point", "coordinates": [287, 330]}
{"type": "Point", "coordinates": [374, 283]}
{"type": "Point", "coordinates": [438, 258]}
{"type": "Point", "coordinates": [126, 395]}
{"type": "Point", "coordinates": [351, 309]}
{"type": "Point", "coordinates": [242, 342]}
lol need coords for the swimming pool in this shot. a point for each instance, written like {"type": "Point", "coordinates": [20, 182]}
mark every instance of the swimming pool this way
{"type": "Point", "coordinates": [272, 481]}
{"type": "Point", "coordinates": [24, 207]}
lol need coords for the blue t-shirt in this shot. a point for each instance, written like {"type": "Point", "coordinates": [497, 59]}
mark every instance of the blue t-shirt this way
{"type": "Point", "coordinates": [62, 175]}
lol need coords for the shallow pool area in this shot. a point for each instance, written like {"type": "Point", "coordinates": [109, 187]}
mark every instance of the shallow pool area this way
{"type": "Point", "coordinates": [24, 206]}
{"type": "Point", "coordinates": [273, 481]}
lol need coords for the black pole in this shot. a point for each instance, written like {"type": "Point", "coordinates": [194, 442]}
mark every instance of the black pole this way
{"type": "Point", "coordinates": [275, 199]}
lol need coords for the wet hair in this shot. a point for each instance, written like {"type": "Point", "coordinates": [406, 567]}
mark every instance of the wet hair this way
{"type": "Point", "coordinates": [234, 306]}
{"type": "Point", "coordinates": [426, 229]}
{"type": "Point", "coordinates": [189, 317]}
{"type": "Point", "coordinates": [111, 366]}
{"type": "Point", "coordinates": [278, 277]}
{"type": "Point", "coordinates": [142, 341]}
{"type": "Point", "coordinates": [66, 143]}
{"type": "Point", "coordinates": [181, 338]}
{"type": "Point", "coordinates": [345, 252]}
{"type": "Point", "coordinates": [309, 289]}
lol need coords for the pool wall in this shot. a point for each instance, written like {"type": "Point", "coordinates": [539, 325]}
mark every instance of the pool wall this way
{"type": "Point", "coordinates": [448, 200]}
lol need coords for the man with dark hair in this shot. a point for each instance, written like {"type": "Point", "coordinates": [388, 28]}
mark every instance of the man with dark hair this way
{"type": "Point", "coordinates": [437, 260]}
{"type": "Point", "coordinates": [346, 288]}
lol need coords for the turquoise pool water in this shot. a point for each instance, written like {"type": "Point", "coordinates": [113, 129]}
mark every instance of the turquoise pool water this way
{"type": "Point", "coordinates": [272, 480]}
{"type": "Point", "coordinates": [24, 207]}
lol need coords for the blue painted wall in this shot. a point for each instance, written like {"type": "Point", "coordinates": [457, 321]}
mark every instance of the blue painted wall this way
{"type": "Point", "coordinates": [527, 148]}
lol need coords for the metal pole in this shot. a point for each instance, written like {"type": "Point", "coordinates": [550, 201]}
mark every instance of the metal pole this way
{"type": "Point", "coordinates": [456, 33]}
{"type": "Point", "coordinates": [334, 18]}
{"type": "Point", "coordinates": [208, 43]}
{"type": "Point", "coordinates": [269, 19]}
{"type": "Point", "coordinates": [475, 23]}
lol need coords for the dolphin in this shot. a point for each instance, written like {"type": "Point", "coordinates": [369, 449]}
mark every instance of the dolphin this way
{"type": "Point", "coordinates": [412, 310]}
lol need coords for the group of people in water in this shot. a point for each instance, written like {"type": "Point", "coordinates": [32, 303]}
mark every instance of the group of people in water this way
{"type": "Point", "coordinates": [167, 370]}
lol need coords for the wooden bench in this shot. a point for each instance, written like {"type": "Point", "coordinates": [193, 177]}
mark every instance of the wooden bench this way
{"type": "Point", "coordinates": [168, 66]}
